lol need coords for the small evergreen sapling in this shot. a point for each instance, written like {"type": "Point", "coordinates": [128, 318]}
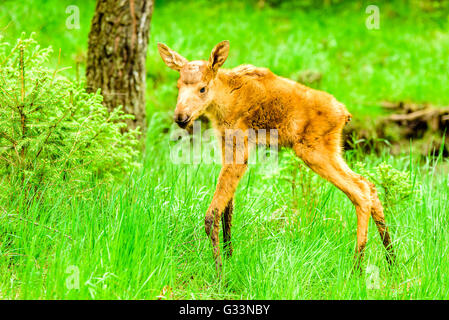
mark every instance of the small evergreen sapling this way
{"type": "Point", "coordinates": [51, 130]}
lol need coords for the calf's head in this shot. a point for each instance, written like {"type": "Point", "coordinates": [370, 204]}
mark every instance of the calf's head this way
{"type": "Point", "coordinates": [196, 83]}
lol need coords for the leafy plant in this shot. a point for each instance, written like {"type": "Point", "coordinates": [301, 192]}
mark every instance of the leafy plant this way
{"type": "Point", "coordinates": [397, 186]}
{"type": "Point", "coordinates": [51, 130]}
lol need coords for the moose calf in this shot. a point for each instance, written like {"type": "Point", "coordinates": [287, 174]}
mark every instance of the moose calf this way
{"type": "Point", "coordinates": [307, 120]}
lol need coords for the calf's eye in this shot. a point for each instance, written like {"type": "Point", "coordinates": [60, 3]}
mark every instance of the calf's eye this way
{"type": "Point", "coordinates": [203, 89]}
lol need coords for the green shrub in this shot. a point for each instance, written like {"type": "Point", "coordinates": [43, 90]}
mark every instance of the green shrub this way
{"type": "Point", "coordinates": [396, 186]}
{"type": "Point", "coordinates": [51, 130]}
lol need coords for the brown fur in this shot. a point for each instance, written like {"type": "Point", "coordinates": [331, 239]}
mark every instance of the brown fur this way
{"type": "Point", "coordinates": [308, 121]}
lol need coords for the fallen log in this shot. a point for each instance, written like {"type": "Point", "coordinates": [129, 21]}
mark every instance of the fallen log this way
{"type": "Point", "coordinates": [423, 124]}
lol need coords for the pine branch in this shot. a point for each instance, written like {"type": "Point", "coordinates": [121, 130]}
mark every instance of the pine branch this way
{"type": "Point", "coordinates": [14, 142]}
{"type": "Point", "coordinates": [50, 131]}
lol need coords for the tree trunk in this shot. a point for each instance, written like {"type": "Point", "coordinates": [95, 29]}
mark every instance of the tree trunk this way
{"type": "Point", "coordinates": [118, 41]}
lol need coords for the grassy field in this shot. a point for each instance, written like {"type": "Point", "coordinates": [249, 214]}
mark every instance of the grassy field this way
{"type": "Point", "coordinates": [144, 238]}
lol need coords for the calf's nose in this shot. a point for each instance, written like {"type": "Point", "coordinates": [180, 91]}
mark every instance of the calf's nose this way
{"type": "Point", "coordinates": [182, 119]}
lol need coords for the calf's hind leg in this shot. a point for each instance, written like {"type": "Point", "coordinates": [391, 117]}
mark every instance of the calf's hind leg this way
{"type": "Point", "coordinates": [331, 166]}
{"type": "Point", "coordinates": [226, 219]}
{"type": "Point", "coordinates": [377, 212]}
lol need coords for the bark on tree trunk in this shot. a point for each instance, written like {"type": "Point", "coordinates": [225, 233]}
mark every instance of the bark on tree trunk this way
{"type": "Point", "coordinates": [117, 51]}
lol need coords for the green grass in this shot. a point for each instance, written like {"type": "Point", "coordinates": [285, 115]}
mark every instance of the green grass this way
{"type": "Point", "coordinates": [145, 238]}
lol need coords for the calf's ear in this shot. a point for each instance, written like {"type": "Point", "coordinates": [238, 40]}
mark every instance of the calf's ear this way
{"type": "Point", "coordinates": [218, 55]}
{"type": "Point", "coordinates": [171, 58]}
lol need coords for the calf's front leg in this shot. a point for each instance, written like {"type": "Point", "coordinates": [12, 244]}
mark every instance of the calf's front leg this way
{"type": "Point", "coordinates": [228, 180]}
